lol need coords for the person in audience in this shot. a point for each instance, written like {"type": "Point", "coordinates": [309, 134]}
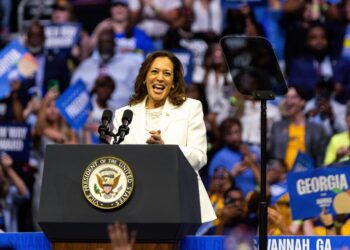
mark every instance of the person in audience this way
{"type": "Point", "coordinates": [78, 50]}
{"type": "Point", "coordinates": [218, 82]}
{"type": "Point", "coordinates": [13, 191]}
{"type": "Point", "coordinates": [101, 93]}
{"type": "Point", "coordinates": [279, 212]}
{"type": "Point", "coordinates": [128, 37]}
{"type": "Point", "coordinates": [306, 70]}
{"type": "Point", "coordinates": [324, 110]}
{"type": "Point", "coordinates": [233, 216]}
{"type": "Point", "coordinates": [338, 148]}
{"type": "Point", "coordinates": [208, 17]}
{"type": "Point", "coordinates": [155, 17]}
{"type": "Point", "coordinates": [11, 108]}
{"type": "Point", "coordinates": [52, 69]}
{"type": "Point", "coordinates": [180, 37]}
{"type": "Point", "coordinates": [242, 21]}
{"type": "Point", "coordinates": [122, 68]}
{"type": "Point", "coordinates": [50, 128]}
{"type": "Point", "coordinates": [297, 18]}
{"type": "Point", "coordinates": [248, 111]}
{"type": "Point", "coordinates": [239, 159]}
{"type": "Point", "coordinates": [295, 133]}
{"type": "Point", "coordinates": [219, 184]}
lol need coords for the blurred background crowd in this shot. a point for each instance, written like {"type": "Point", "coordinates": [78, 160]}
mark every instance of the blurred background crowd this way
{"type": "Point", "coordinates": [311, 39]}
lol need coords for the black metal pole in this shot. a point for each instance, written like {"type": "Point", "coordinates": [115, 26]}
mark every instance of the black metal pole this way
{"type": "Point", "coordinates": [263, 201]}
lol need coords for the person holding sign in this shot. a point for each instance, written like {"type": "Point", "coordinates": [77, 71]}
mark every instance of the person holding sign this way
{"type": "Point", "coordinates": [52, 69]}
{"type": "Point", "coordinates": [64, 35]}
{"type": "Point", "coordinates": [164, 115]}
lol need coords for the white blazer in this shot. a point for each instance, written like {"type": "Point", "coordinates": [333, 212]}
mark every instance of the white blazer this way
{"type": "Point", "coordinates": [181, 125]}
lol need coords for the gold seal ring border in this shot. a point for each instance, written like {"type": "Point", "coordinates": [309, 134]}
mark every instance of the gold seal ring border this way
{"type": "Point", "coordinates": [132, 184]}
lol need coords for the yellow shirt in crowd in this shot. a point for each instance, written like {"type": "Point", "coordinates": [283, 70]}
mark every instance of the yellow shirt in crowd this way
{"type": "Point", "coordinates": [296, 142]}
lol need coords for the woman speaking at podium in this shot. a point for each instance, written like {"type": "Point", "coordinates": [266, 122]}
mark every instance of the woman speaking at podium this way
{"type": "Point", "coordinates": [163, 115]}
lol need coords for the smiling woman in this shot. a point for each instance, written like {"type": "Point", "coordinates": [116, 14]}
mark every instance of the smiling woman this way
{"type": "Point", "coordinates": [163, 115]}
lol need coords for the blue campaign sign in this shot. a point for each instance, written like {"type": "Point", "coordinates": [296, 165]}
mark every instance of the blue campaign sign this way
{"type": "Point", "coordinates": [15, 140]}
{"type": "Point", "coordinates": [312, 190]}
{"type": "Point", "coordinates": [186, 58]}
{"type": "Point", "coordinates": [9, 57]}
{"type": "Point", "coordinates": [74, 105]}
{"type": "Point", "coordinates": [302, 162]}
{"type": "Point", "coordinates": [61, 37]}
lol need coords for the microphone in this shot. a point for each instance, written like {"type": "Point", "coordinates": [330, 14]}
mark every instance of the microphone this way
{"type": "Point", "coordinates": [105, 121]}
{"type": "Point", "coordinates": [124, 129]}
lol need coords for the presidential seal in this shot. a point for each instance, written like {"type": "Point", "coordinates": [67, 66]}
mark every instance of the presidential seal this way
{"type": "Point", "coordinates": [107, 182]}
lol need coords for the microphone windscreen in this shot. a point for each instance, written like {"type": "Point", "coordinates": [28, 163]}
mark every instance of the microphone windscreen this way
{"type": "Point", "coordinates": [107, 115]}
{"type": "Point", "coordinates": [127, 115]}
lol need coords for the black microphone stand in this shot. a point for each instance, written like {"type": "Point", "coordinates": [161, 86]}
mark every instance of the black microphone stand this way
{"type": "Point", "coordinates": [104, 130]}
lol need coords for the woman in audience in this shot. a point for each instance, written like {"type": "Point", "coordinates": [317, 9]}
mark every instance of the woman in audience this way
{"type": "Point", "coordinates": [50, 128]}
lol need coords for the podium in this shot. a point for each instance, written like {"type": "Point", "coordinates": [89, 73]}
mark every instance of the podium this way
{"type": "Point", "coordinates": [163, 207]}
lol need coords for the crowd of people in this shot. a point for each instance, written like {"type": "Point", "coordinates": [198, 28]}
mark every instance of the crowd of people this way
{"type": "Point", "coordinates": [311, 41]}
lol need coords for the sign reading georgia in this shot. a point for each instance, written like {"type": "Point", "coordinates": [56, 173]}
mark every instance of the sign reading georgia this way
{"type": "Point", "coordinates": [107, 182]}
{"type": "Point", "coordinates": [314, 189]}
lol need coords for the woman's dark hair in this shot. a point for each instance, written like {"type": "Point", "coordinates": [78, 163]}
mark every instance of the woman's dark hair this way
{"type": "Point", "coordinates": [228, 123]}
{"type": "Point", "coordinates": [177, 95]}
{"type": "Point", "coordinates": [103, 80]}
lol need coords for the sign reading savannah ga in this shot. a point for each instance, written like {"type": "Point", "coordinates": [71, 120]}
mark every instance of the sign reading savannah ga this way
{"type": "Point", "coordinates": [107, 182]}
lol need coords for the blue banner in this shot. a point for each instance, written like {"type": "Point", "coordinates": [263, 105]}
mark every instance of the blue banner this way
{"type": "Point", "coordinates": [312, 190]}
{"type": "Point", "coordinates": [186, 58]}
{"type": "Point", "coordinates": [60, 38]}
{"type": "Point", "coordinates": [14, 60]}
{"type": "Point", "coordinates": [273, 243]}
{"type": "Point", "coordinates": [302, 162]}
{"type": "Point", "coordinates": [75, 105]}
{"type": "Point", "coordinates": [307, 243]}
{"type": "Point", "coordinates": [15, 140]}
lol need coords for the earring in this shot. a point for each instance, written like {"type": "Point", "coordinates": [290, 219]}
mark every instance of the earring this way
{"type": "Point", "coordinates": [172, 86]}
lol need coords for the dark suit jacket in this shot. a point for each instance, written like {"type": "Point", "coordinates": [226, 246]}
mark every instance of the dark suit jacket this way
{"type": "Point", "coordinates": [316, 140]}
{"type": "Point", "coordinates": [303, 73]}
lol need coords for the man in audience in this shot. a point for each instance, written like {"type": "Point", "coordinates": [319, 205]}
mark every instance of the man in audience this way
{"type": "Point", "coordinates": [306, 70]}
{"type": "Point", "coordinates": [338, 148]}
{"type": "Point", "coordinates": [122, 68]}
{"type": "Point", "coordinates": [238, 158]}
{"type": "Point", "coordinates": [52, 71]}
{"type": "Point", "coordinates": [295, 133]}
{"type": "Point", "coordinates": [324, 110]}
{"type": "Point", "coordinates": [233, 216]}
{"type": "Point", "coordinates": [155, 17]}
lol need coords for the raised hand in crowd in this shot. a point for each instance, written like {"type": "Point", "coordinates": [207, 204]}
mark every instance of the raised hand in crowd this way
{"type": "Point", "coordinates": [6, 163]}
{"type": "Point", "coordinates": [328, 222]}
{"type": "Point", "coordinates": [275, 217]}
{"type": "Point", "coordinates": [342, 152]}
{"type": "Point", "coordinates": [119, 236]}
